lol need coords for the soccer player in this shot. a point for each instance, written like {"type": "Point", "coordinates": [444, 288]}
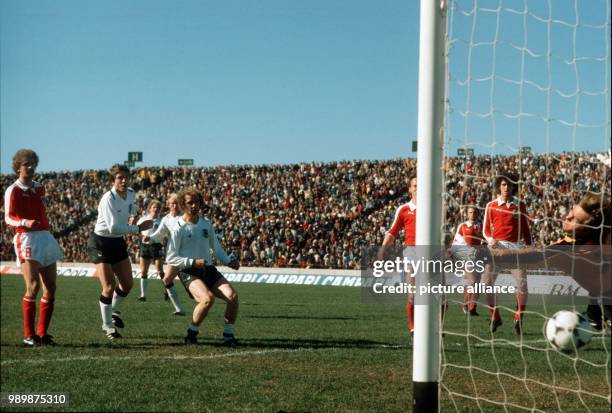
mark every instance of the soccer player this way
{"type": "Point", "coordinates": [167, 225]}
{"type": "Point", "coordinates": [150, 250]}
{"type": "Point", "coordinates": [467, 238]}
{"type": "Point", "coordinates": [36, 249]}
{"type": "Point", "coordinates": [108, 250]}
{"type": "Point", "coordinates": [589, 223]}
{"type": "Point", "coordinates": [190, 247]}
{"type": "Point", "coordinates": [506, 226]}
{"type": "Point", "coordinates": [405, 219]}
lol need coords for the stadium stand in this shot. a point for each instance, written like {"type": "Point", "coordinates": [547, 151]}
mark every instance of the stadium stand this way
{"type": "Point", "coordinates": [318, 215]}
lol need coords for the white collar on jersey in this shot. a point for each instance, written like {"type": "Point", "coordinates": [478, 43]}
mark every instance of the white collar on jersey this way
{"type": "Point", "coordinates": [411, 205]}
{"type": "Point", "coordinates": [468, 224]}
{"type": "Point", "coordinates": [500, 202]}
{"type": "Point", "coordinates": [25, 187]}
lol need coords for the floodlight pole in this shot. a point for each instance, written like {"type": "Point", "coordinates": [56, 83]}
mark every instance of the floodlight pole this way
{"type": "Point", "coordinates": [432, 61]}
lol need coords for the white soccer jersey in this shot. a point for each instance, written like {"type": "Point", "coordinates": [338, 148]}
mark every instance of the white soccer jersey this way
{"type": "Point", "coordinates": [150, 231]}
{"type": "Point", "coordinates": [194, 241]}
{"type": "Point", "coordinates": [114, 213]}
{"type": "Point", "coordinates": [165, 228]}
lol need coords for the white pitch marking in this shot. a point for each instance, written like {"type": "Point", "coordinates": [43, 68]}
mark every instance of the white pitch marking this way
{"type": "Point", "coordinates": [181, 357]}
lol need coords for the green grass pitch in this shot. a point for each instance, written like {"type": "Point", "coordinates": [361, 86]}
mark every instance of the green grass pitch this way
{"type": "Point", "coordinates": [316, 349]}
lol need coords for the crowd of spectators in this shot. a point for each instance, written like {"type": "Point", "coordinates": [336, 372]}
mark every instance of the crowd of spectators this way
{"type": "Point", "coordinates": [319, 215]}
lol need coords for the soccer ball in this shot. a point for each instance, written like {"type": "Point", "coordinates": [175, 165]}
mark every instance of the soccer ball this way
{"type": "Point", "coordinates": [567, 331]}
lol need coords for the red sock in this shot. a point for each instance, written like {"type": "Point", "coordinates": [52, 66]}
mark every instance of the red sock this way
{"type": "Point", "coordinates": [44, 316]}
{"type": "Point", "coordinates": [410, 311]}
{"type": "Point", "coordinates": [521, 303]}
{"type": "Point", "coordinates": [29, 315]}
{"type": "Point", "coordinates": [473, 301]}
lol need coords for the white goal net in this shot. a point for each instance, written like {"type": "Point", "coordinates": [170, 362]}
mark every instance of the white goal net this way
{"type": "Point", "coordinates": [528, 93]}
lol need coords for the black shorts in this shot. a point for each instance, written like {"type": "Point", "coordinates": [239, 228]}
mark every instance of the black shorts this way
{"type": "Point", "coordinates": [107, 250]}
{"type": "Point", "coordinates": [209, 275]}
{"type": "Point", "coordinates": [150, 251]}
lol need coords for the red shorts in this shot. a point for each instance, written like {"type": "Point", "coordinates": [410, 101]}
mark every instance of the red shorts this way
{"type": "Point", "coordinates": [39, 246]}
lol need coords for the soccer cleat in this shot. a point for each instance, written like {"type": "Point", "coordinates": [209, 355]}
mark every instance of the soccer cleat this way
{"type": "Point", "coordinates": [518, 327]}
{"type": "Point", "coordinates": [179, 313]}
{"type": "Point", "coordinates": [47, 340]}
{"type": "Point", "coordinates": [117, 321]}
{"type": "Point", "coordinates": [229, 340]}
{"type": "Point", "coordinates": [608, 316]}
{"type": "Point", "coordinates": [465, 309]}
{"type": "Point", "coordinates": [31, 341]}
{"type": "Point", "coordinates": [112, 334]}
{"type": "Point", "coordinates": [495, 324]}
{"type": "Point", "coordinates": [192, 337]}
{"type": "Point", "coordinates": [142, 299]}
{"type": "Point", "coordinates": [473, 313]}
{"type": "Point", "coordinates": [593, 314]}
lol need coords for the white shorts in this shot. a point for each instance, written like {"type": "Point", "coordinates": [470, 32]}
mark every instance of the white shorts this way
{"type": "Point", "coordinates": [39, 246]}
{"type": "Point", "coordinates": [509, 245]}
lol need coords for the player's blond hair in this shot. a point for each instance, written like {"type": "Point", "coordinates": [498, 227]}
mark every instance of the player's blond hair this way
{"type": "Point", "coordinates": [22, 156]}
{"type": "Point", "coordinates": [154, 202]}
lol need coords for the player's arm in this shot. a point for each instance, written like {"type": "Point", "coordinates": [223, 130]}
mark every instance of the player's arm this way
{"type": "Point", "coordinates": [220, 253]}
{"type": "Point", "coordinates": [11, 215]}
{"type": "Point", "coordinates": [115, 227]}
{"type": "Point", "coordinates": [486, 226]}
{"type": "Point", "coordinates": [459, 238]}
{"type": "Point", "coordinates": [160, 233]}
{"type": "Point", "coordinates": [390, 236]}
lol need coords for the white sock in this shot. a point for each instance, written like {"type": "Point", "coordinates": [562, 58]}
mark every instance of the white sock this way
{"type": "Point", "coordinates": [174, 298]}
{"type": "Point", "coordinates": [117, 299]}
{"type": "Point", "coordinates": [107, 316]}
{"type": "Point", "coordinates": [143, 286]}
{"type": "Point", "coordinates": [228, 329]}
{"type": "Point", "coordinates": [194, 327]}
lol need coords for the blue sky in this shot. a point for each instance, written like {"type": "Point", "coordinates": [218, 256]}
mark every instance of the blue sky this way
{"type": "Point", "coordinates": [252, 82]}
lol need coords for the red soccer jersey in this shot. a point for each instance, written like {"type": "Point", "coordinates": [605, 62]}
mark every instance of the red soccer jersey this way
{"type": "Point", "coordinates": [23, 202]}
{"type": "Point", "coordinates": [506, 221]}
{"type": "Point", "coordinates": [468, 234]}
{"type": "Point", "coordinates": [405, 218]}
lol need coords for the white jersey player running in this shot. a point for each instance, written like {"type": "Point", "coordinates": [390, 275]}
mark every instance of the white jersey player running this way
{"type": "Point", "coordinates": [163, 232]}
{"type": "Point", "coordinates": [190, 247]}
{"type": "Point", "coordinates": [150, 250]}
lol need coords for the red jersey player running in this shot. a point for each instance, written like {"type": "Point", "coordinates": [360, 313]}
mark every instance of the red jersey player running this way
{"type": "Point", "coordinates": [505, 226]}
{"type": "Point", "coordinates": [465, 243]}
{"type": "Point", "coordinates": [37, 251]}
{"type": "Point", "coordinates": [405, 219]}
